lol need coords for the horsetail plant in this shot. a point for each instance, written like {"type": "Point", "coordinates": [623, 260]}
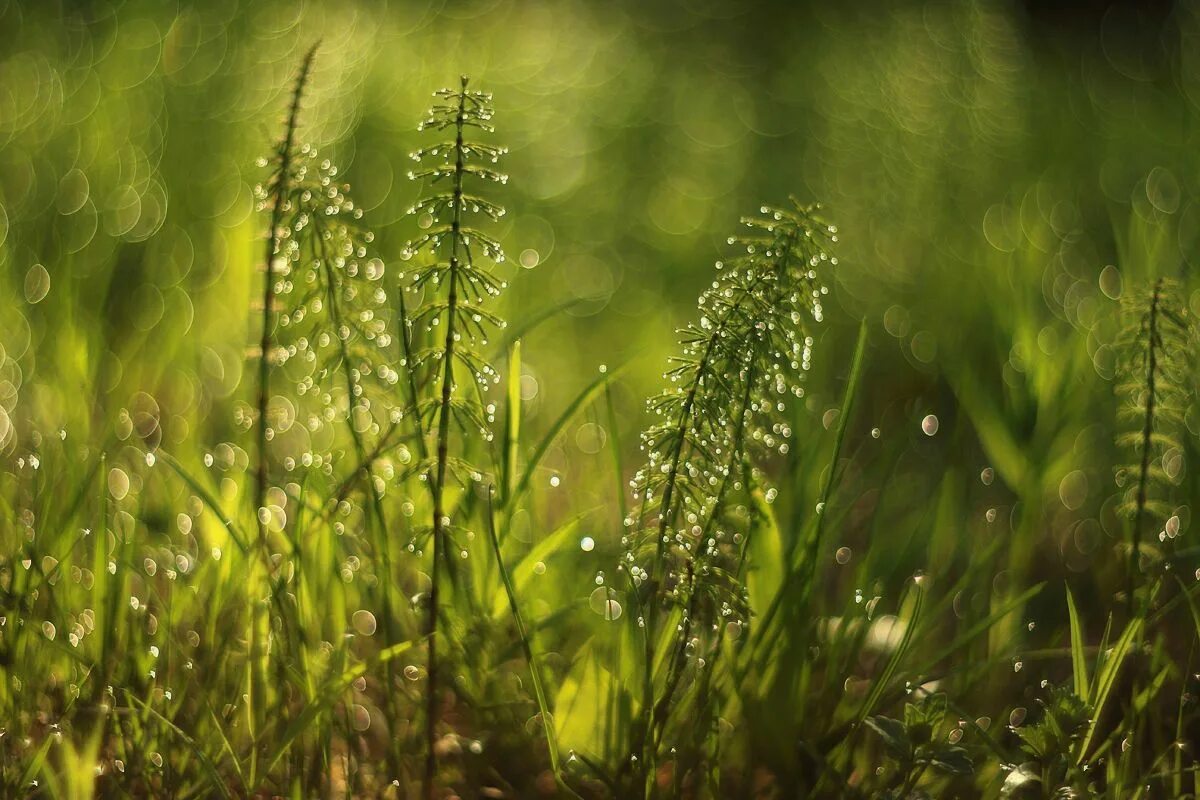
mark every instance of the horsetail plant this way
{"type": "Point", "coordinates": [276, 196]}
{"type": "Point", "coordinates": [1155, 382]}
{"type": "Point", "coordinates": [456, 284]}
{"type": "Point", "coordinates": [739, 363]}
{"type": "Point", "coordinates": [333, 343]}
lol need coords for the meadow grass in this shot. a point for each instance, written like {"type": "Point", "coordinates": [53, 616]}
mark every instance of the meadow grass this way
{"type": "Point", "coordinates": [893, 530]}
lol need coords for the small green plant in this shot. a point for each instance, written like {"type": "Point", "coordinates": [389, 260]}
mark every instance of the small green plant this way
{"type": "Point", "coordinates": [450, 271]}
{"type": "Point", "coordinates": [1050, 746]}
{"type": "Point", "coordinates": [916, 743]}
{"type": "Point", "coordinates": [739, 364]}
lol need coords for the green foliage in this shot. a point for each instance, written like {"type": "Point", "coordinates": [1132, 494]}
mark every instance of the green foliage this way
{"type": "Point", "coordinates": [372, 554]}
{"type": "Point", "coordinates": [1156, 381]}
{"type": "Point", "coordinates": [916, 743]}
{"type": "Point", "coordinates": [739, 363]}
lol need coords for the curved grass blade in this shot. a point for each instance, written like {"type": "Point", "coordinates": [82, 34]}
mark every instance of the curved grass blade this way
{"type": "Point", "coordinates": [209, 500]}
{"type": "Point", "coordinates": [210, 769]}
{"type": "Point", "coordinates": [584, 397]}
{"type": "Point", "coordinates": [324, 699]}
{"type": "Point", "coordinates": [1078, 657]}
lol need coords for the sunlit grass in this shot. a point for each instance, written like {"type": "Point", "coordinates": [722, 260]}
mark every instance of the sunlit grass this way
{"type": "Point", "coordinates": [263, 531]}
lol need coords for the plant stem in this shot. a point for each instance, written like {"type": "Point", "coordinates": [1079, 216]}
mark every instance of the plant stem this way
{"type": "Point", "coordinates": [259, 622]}
{"type": "Point", "coordinates": [281, 190]}
{"type": "Point", "coordinates": [443, 445]}
{"type": "Point", "coordinates": [1147, 435]}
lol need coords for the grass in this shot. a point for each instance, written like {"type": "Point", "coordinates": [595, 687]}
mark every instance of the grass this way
{"type": "Point", "coordinates": [912, 517]}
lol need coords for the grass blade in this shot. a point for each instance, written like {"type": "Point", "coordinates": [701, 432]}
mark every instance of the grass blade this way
{"type": "Point", "coordinates": [1078, 658]}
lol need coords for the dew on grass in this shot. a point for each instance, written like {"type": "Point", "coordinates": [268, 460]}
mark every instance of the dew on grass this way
{"type": "Point", "coordinates": [412, 672]}
{"type": "Point", "coordinates": [1017, 718]}
{"type": "Point", "coordinates": [539, 568]}
{"type": "Point", "coordinates": [48, 630]}
{"type": "Point", "coordinates": [987, 475]}
{"type": "Point", "coordinates": [843, 555]}
{"type": "Point", "coordinates": [876, 433]}
{"type": "Point", "coordinates": [587, 544]}
{"type": "Point", "coordinates": [604, 602]}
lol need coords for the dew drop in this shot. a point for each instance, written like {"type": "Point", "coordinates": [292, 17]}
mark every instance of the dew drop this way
{"type": "Point", "coordinates": [929, 425]}
{"type": "Point", "coordinates": [118, 483]}
{"type": "Point", "coordinates": [604, 602]}
{"type": "Point", "coordinates": [37, 284]}
{"type": "Point", "coordinates": [364, 622]}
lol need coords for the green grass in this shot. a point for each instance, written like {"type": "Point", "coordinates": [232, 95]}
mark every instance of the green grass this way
{"type": "Point", "coordinates": [971, 574]}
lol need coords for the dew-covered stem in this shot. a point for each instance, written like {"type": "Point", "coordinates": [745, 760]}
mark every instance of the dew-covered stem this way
{"type": "Point", "coordinates": [280, 191]}
{"type": "Point", "coordinates": [443, 447]}
{"type": "Point", "coordinates": [749, 350]}
{"type": "Point", "coordinates": [1152, 344]}
{"type": "Point", "coordinates": [452, 250]}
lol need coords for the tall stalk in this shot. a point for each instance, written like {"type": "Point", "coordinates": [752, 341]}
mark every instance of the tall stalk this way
{"type": "Point", "coordinates": [452, 248]}
{"type": "Point", "coordinates": [1139, 514]}
{"type": "Point", "coordinates": [1155, 379]}
{"type": "Point", "coordinates": [749, 351]}
{"type": "Point", "coordinates": [278, 197]}
{"type": "Point", "coordinates": [443, 450]}
{"type": "Point", "coordinates": [279, 191]}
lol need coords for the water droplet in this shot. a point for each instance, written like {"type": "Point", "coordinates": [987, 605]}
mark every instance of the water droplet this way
{"type": "Point", "coordinates": [987, 476]}
{"type": "Point", "coordinates": [37, 284]}
{"type": "Point", "coordinates": [361, 717]}
{"type": "Point", "coordinates": [587, 544]}
{"type": "Point", "coordinates": [929, 425]}
{"type": "Point", "coordinates": [603, 601]}
{"type": "Point", "coordinates": [118, 483]}
{"type": "Point", "coordinates": [842, 556]}
{"type": "Point", "coordinates": [876, 433]}
{"type": "Point", "coordinates": [364, 622]}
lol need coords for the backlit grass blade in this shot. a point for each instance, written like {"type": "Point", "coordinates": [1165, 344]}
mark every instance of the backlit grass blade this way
{"type": "Point", "coordinates": [209, 500]}
{"type": "Point", "coordinates": [323, 702]}
{"type": "Point", "coordinates": [1078, 657]}
{"type": "Point", "coordinates": [1106, 678]}
{"type": "Point", "coordinates": [582, 399]}
{"type": "Point", "coordinates": [535, 672]}
{"type": "Point", "coordinates": [210, 769]}
{"type": "Point", "coordinates": [512, 421]}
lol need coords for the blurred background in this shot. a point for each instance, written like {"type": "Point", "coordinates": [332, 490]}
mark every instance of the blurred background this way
{"type": "Point", "coordinates": [1000, 174]}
